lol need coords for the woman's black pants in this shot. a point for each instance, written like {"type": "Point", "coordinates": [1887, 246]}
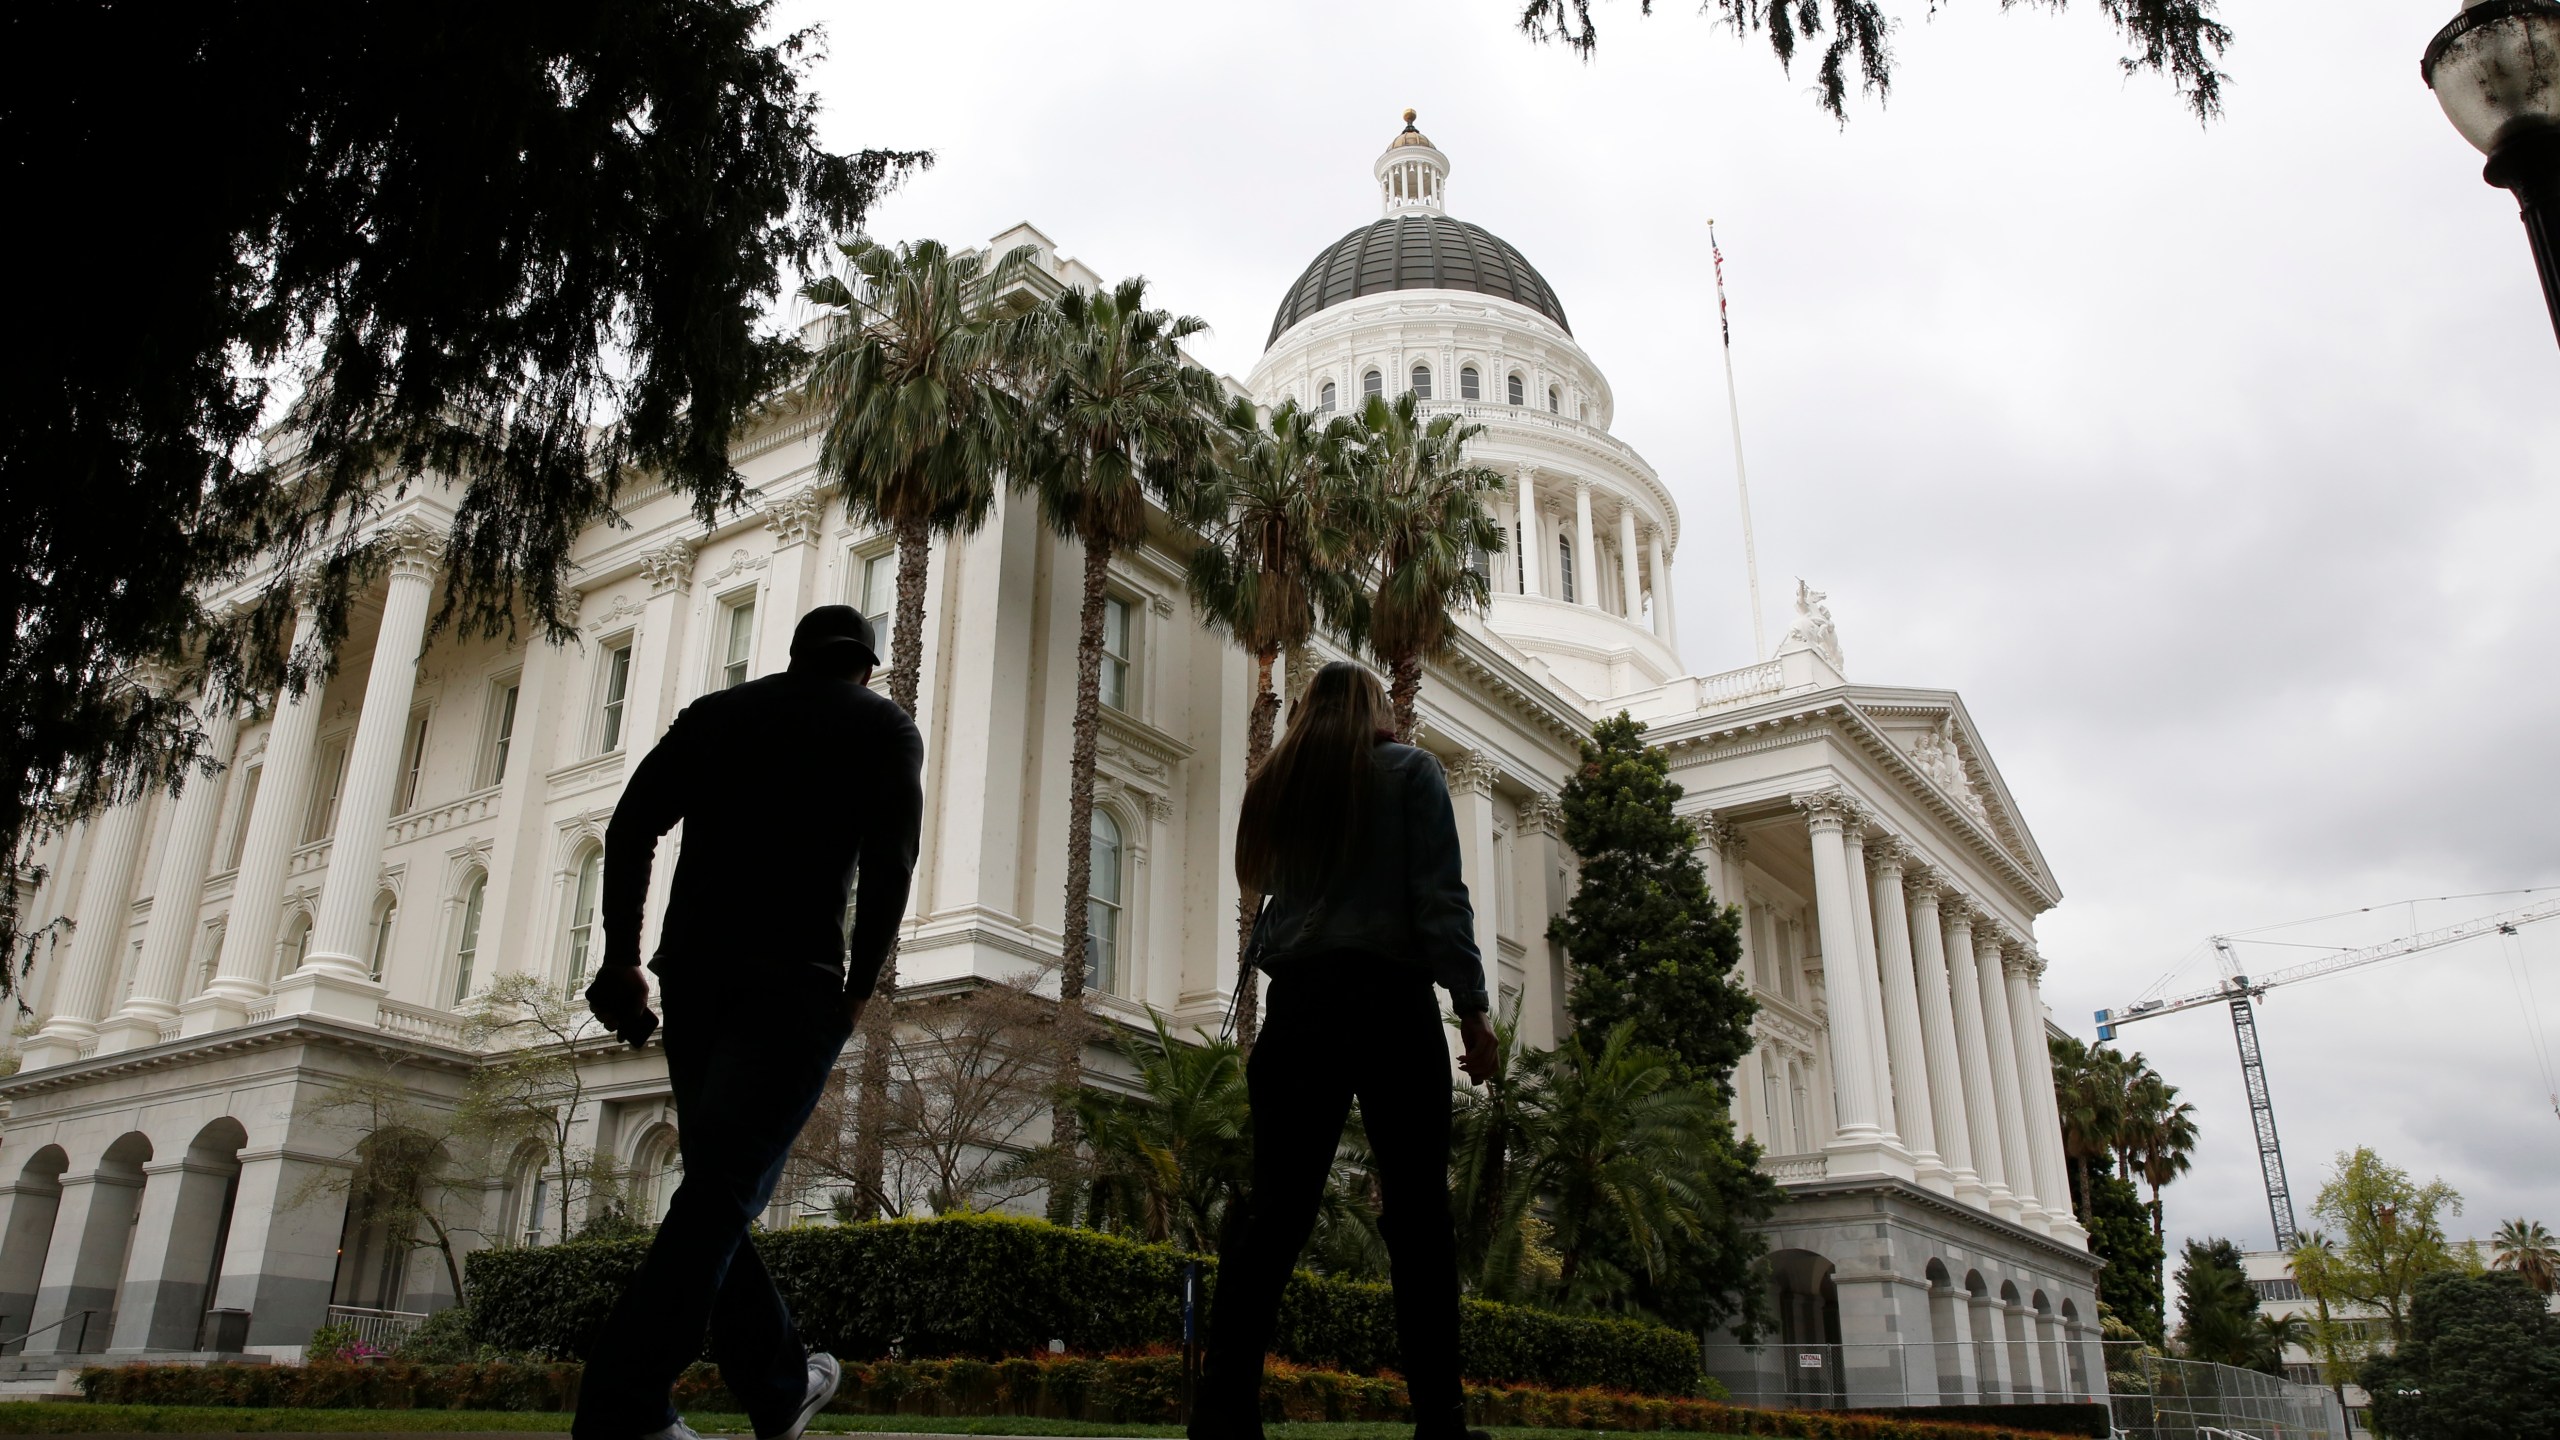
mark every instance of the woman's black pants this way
{"type": "Point", "coordinates": [1342, 1029]}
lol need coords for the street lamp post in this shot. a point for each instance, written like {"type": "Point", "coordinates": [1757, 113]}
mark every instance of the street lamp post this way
{"type": "Point", "coordinates": [2496, 72]}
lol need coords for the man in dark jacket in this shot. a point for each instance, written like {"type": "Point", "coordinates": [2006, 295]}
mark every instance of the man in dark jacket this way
{"type": "Point", "coordinates": [790, 789]}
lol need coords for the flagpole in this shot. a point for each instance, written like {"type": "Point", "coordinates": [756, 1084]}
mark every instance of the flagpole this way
{"type": "Point", "coordinates": [1741, 484]}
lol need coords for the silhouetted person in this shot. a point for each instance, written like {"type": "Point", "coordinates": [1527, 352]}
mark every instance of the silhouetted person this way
{"type": "Point", "coordinates": [789, 788]}
{"type": "Point", "coordinates": [1351, 836]}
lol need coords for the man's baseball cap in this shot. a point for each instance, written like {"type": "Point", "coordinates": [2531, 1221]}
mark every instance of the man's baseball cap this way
{"type": "Point", "coordinates": [824, 629]}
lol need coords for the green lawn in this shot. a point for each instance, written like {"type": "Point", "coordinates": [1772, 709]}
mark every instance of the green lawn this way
{"type": "Point", "coordinates": [49, 1418]}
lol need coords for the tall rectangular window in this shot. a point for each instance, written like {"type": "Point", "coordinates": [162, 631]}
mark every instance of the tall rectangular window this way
{"type": "Point", "coordinates": [1115, 652]}
{"type": "Point", "coordinates": [322, 821]}
{"type": "Point", "coordinates": [738, 643]}
{"type": "Point", "coordinates": [240, 819]}
{"type": "Point", "coordinates": [875, 594]}
{"type": "Point", "coordinates": [582, 914]}
{"type": "Point", "coordinates": [1564, 568]}
{"type": "Point", "coordinates": [617, 689]}
{"type": "Point", "coordinates": [503, 697]}
{"type": "Point", "coordinates": [466, 950]}
{"type": "Point", "coordinates": [413, 759]}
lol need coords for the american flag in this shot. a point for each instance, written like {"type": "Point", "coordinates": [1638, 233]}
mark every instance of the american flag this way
{"type": "Point", "coordinates": [1724, 320]}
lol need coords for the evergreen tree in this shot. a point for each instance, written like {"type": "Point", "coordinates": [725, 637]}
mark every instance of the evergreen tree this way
{"type": "Point", "coordinates": [2482, 1362]}
{"type": "Point", "coordinates": [2120, 1235]}
{"type": "Point", "coordinates": [2217, 1307]}
{"type": "Point", "coordinates": [1648, 943]}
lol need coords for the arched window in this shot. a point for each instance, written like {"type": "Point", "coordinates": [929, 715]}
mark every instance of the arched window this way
{"type": "Point", "coordinates": [1372, 385]}
{"type": "Point", "coordinates": [1515, 389]}
{"type": "Point", "coordinates": [1564, 567]}
{"type": "Point", "coordinates": [1421, 382]}
{"type": "Point", "coordinates": [582, 912]}
{"type": "Point", "coordinates": [385, 911]}
{"type": "Point", "coordinates": [1555, 400]}
{"type": "Point", "coordinates": [1470, 384]}
{"type": "Point", "coordinates": [297, 942]}
{"type": "Point", "coordinates": [1325, 399]}
{"type": "Point", "coordinates": [1102, 907]}
{"type": "Point", "coordinates": [528, 1198]}
{"type": "Point", "coordinates": [466, 947]}
{"type": "Point", "coordinates": [655, 1173]}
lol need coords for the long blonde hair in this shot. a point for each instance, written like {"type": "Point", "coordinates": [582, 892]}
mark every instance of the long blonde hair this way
{"type": "Point", "coordinates": [1311, 793]}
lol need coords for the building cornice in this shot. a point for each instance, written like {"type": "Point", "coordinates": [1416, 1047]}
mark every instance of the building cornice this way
{"type": "Point", "coordinates": [263, 1035]}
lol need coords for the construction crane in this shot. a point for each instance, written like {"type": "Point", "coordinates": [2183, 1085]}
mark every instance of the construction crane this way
{"type": "Point", "coordinates": [2238, 988]}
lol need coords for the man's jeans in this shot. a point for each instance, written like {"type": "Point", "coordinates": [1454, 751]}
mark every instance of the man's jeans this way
{"type": "Point", "coordinates": [747, 1070]}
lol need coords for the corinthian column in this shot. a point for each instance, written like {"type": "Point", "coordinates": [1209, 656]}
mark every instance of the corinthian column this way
{"type": "Point", "coordinates": [1863, 922]}
{"type": "Point", "coordinates": [1911, 1104]}
{"type": "Point", "coordinates": [794, 519]}
{"type": "Point", "coordinates": [1530, 555]}
{"type": "Point", "coordinates": [2035, 1079]}
{"type": "Point", "coordinates": [1586, 572]}
{"type": "Point", "coordinates": [176, 891]}
{"type": "Point", "coordinates": [1827, 818]}
{"type": "Point", "coordinates": [1938, 1037]}
{"type": "Point", "coordinates": [97, 936]}
{"type": "Point", "coordinates": [1629, 582]}
{"type": "Point", "coordinates": [2009, 1095]}
{"type": "Point", "coordinates": [257, 889]}
{"type": "Point", "coordinates": [1973, 1053]}
{"type": "Point", "coordinates": [338, 950]}
{"type": "Point", "coordinates": [1662, 625]}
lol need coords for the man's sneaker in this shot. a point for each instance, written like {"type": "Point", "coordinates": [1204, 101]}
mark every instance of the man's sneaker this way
{"type": "Point", "coordinates": [677, 1431]}
{"type": "Point", "coordinates": [824, 1376]}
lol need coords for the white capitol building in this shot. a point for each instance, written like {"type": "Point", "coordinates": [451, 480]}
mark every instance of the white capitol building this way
{"type": "Point", "coordinates": [378, 849]}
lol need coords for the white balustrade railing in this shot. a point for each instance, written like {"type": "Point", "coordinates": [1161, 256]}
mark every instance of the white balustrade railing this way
{"type": "Point", "coordinates": [417, 1022]}
{"type": "Point", "coordinates": [1782, 1168]}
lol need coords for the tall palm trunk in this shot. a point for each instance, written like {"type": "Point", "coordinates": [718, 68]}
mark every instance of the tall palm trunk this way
{"type": "Point", "coordinates": [1073, 952]}
{"type": "Point", "coordinates": [871, 1102]}
{"type": "Point", "coordinates": [1404, 687]}
{"type": "Point", "coordinates": [1257, 745]}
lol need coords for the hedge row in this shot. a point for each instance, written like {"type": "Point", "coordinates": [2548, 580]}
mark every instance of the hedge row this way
{"type": "Point", "coordinates": [1143, 1389]}
{"type": "Point", "coordinates": [987, 1287]}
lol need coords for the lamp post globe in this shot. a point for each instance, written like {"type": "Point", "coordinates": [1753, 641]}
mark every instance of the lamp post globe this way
{"type": "Point", "coordinates": [2496, 71]}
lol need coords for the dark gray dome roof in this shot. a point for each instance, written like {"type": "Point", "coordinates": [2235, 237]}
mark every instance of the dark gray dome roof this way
{"type": "Point", "coordinates": [1417, 251]}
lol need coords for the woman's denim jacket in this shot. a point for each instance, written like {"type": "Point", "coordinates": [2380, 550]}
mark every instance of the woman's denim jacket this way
{"type": "Point", "coordinates": [1398, 893]}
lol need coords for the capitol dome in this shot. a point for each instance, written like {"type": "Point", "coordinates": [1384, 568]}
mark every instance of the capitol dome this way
{"type": "Point", "coordinates": [1417, 250]}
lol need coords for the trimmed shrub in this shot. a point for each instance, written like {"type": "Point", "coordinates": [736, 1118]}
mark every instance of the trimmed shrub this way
{"type": "Point", "coordinates": [1143, 1389]}
{"type": "Point", "coordinates": [993, 1286]}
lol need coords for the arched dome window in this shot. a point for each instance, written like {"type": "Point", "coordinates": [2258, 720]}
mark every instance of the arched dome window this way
{"type": "Point", "coordinates": [1555, 400]}
{"type": "Point", "coordinates": [1517, 390]}
{"type": "Point", "coordinates": [1372, 385]}
{"type": "Point", "coordinates": [1564, 568]}
{"type": "Point", "coordinates": [1421, 382]}
{"type": "Point", "coordinates": [1470, 384]}
{"type": "Point", "coordinates": [1325, 399]}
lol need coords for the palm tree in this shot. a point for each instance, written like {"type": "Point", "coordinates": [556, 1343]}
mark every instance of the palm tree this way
{"type": "Point", "coordinates": [2526, 1248]}
{"type": "Point", "coordinates": [1169, 1160]}
{"type": "Point", "coordinates": [2164, 1137]}
{"type": "Point", "coordinates": [1617, 1141]}
{"type": "Point", "coordinates": [1495, 1138]}
{"type": "Point", "coordinates": [2271, 1336]}
{"type": "Point", "coordinates": [1118, 418]}
{"type": "Point", "coordinates": [2089, 1091]}
{"type": "Point", "coordinates": [1427, 528]}
{"type": "Point", "coordinates": [1275, 552]}
{"type": "Point", "coordinates": [917, 421]}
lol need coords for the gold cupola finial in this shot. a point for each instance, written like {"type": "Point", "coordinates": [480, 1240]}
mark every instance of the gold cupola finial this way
{"type": "Point", "coordinates": [1408, 115]}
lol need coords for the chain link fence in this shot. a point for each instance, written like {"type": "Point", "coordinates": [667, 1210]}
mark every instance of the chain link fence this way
{"type": "Point", "coordinates": [2159, 1397]}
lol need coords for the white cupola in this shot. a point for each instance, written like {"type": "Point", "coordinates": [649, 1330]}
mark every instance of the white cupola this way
{"type": "Point", "coordinates": [1412, 174]}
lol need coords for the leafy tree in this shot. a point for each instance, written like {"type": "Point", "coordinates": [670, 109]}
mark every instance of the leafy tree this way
{"type": "Point", "coordinates": [517, 255]}
{"type": "Point", "coordinates": [1169, 1161]}
{"type": "Point", "coordinates": [529, 1087]}
{"type": "Point", "coordinates": [1118, 417]}
{"type": "Point", "coordinates": [2528, 1249]}
{"type": "Point", "coordinates": [1425, 524]}
{"type": "Point", "coordinates": [2178, 38]}
{"type": "Point", "coordinates": [2120, 1235]}
{"type": "Point", "coordinates": [2217, 1307]}
{"type": "Point", "coordinates": [2389, 1234]}
{"type": "Point", "coordinates": [1276, 552]}
{"type": "Point", "coordinates": [2481, 1361]}
{"type": "Point", "coordinates": [918, 421]}
{"type": "Point", "coordinates": [1650, 946]}
{"type": "Point", "coordinates": [414, 1167]}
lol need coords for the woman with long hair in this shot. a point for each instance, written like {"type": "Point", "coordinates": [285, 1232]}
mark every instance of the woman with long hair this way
{"type": "Point", "coordinates": [1351, 836]}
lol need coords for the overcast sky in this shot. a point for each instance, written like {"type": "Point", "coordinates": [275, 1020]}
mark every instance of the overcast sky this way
{"type": "Point", "coordinates": [2217, 467]}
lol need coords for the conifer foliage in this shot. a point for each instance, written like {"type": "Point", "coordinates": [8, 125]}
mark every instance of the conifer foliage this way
{"type": "Point", "coordinates": [1648, 943]}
